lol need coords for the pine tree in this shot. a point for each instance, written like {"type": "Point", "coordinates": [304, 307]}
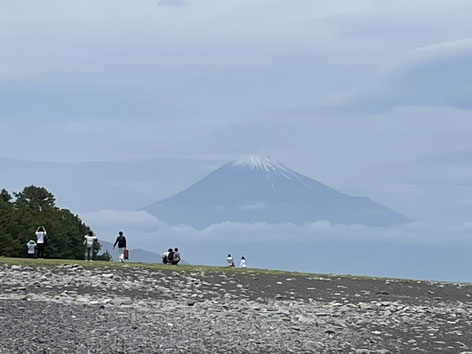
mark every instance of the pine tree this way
{"type": "Point", "coordinates": [34, 207]}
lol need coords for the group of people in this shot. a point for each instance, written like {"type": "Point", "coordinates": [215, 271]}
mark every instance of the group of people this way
{"type": "Point", "coordinates": [120, 241]}
{"type": "Point", "coordinates": [230, 261]}
{"type": "Point", "coordinates": [37, 248]}
{"type": "Point", "coordinates": [40, 244]}
{"type": "Point", "coordinates": [171, 256]}
{"type": "Point", "coordinates": [91, 239]}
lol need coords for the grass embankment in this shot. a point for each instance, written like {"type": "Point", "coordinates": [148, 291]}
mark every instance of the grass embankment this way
{"type": "Point", "coordinates": [166, 267]}
{"type": "Point", "coordinates": [152, 266]}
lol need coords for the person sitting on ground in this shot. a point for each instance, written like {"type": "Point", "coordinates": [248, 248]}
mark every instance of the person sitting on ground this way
{"type": "Point", "coordinates": [89, 242]}
{"type": "Point", "coordinates": [243, 263]}
{"type": "Point", "coordinates": [121, 241]}
{"type": "Point", "coordinates": [31, 248]}
{"type": "Point", "coordinates": [165, 257]}
{"type": "Point", "coordinates": [41, 240]}
{"type": "Point", "coordinates": [176, 256]}
{"type": "Point", "coordinates": [170, 255]}
{"type": "Point", "coordinates": [230, 261]}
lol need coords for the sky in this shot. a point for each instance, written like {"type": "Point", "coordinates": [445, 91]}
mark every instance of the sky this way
{"type": "Point", "coordinates": [371, 98]}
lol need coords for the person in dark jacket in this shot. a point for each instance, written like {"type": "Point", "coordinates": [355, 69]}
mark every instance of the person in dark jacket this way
{"type": "Point", "coordinates": [121, 241]}
{"type": "Point", "coordinates": [170, 255]}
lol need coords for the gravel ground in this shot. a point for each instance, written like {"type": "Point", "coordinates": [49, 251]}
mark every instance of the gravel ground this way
{"type": "Point", "coordinates": [71, 309]}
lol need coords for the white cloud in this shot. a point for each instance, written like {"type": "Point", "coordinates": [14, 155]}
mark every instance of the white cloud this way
{"type": "Point", "coordinates": [434, 75]}
{"type": "Point", "coordinates": [414, 250]}
{"type": "Point", "coordinates": [144, 228]}
{"type": "Point", "coordinates": [437, 51]}
{"type": "Point", "coordinates": [253, 206]}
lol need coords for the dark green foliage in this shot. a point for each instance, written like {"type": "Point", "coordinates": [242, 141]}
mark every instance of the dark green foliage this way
{"type": "Point", "coordinates": [34, 207]}
{"type": "Point", "coordinates": [104, 257]}
{"type": "Point", "coordinates": [5, 196]}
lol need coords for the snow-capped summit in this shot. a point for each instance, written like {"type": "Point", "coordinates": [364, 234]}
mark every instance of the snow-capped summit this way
{"type": "Point", "coordinates": [256, 162]}
{"type": "Point", "coordinates": [262, 189]}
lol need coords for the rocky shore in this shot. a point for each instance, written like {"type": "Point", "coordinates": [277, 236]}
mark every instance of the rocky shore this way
{"type": "Point", "coordinates": [78, 308]}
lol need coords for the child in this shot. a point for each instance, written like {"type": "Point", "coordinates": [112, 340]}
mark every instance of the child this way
{"type": "Point", "coordinates": [243, 263]}
{"type": "Point", "coordinates": [31, 248]}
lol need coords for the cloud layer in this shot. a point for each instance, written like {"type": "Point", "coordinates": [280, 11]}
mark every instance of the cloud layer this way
{"type": "Point", "coordinates": [225, 80]}
{"type": "Point", "coordinates": [413, 250]}
{"type": "Point", "coordinates": [434, 75]}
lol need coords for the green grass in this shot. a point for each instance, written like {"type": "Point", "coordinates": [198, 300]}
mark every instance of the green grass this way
{"type": "Point", "coordinates": [153, 266]}
{"type": "Point", "coordinates": [184, 268]}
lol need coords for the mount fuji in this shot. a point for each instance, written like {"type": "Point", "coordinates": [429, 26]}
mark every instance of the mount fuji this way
{"type": "Point", "coordinates": [262, 189]}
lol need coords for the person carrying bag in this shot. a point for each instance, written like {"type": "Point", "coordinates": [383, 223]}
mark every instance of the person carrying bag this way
{"type": "Point", "coordinates": [121, 242]}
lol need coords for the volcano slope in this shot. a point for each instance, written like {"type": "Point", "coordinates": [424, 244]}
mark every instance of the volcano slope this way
{"type": "Point", "coordinates": [262, 189]}
{"type": "Point", "coordinates": [62, 306]}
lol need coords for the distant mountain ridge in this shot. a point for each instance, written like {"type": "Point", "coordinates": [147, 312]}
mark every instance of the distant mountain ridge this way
{"type": "Point", "coordinates": [262, 189]}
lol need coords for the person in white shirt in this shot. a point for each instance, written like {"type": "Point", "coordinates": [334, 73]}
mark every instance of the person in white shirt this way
{"type": "Point", "coordinates": [165, 257]}
{"type": "Point", "coordinates": [243, 263]}
{"type": "Point", "coordinates": [31, 248]}
{"type": "Point", "coordinates": [41, 240]}
{"type": "Point", "coordinates": [89, 242]}
{"type": "Point", "coordinates": [230, 261]}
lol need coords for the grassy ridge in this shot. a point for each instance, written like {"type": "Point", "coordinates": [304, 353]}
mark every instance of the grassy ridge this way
{"type": "Point", "coordinates": [166, 267]}
{"type": "Point", "coordinates": [153, 266]}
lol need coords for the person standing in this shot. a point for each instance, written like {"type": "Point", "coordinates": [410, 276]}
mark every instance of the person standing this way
{"type": "Point", "coordinates": [31, 248]}
{"type": "Point", "coordinates": [41, 240]}
{"type": "Point", "coordinates": [89, 242]}
{"type": "Point", "coordinates": [121, 242]}
{"type": "Point", "coordinates": [230, 261]}
{"type": "Point", "coordinates": [243, 263]}
{"type": "Point", "coordinates": [176, 257]}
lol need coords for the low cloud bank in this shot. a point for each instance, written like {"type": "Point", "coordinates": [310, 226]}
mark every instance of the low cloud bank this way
{"type": "Point", "coordinates": [143, 226]}
{"type": "Point", "coordinates": [413, 250]}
